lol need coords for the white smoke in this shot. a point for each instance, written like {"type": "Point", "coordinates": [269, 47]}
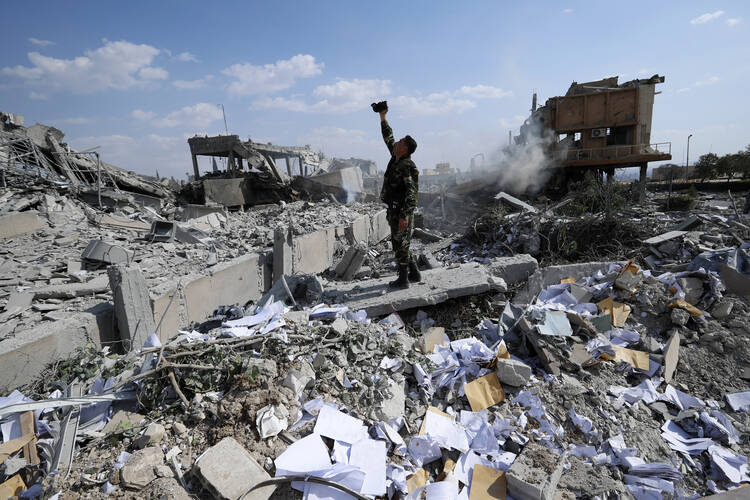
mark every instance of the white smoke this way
{"type": "Point", "coordinates": [526, 167]}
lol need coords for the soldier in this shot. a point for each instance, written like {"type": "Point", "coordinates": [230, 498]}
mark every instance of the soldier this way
{"type": "Point", "coordinates": [400, 188]}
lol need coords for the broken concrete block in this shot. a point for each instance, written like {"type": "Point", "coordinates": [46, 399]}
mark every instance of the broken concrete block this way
{"type": "Point", "coordinates": [657, 240]}
{"type": "Point", "coordinates": [515, 202]}
{"type": "Point", "coordinates": [351, 262]}
{"type": "Point", "coordinates": [135, 319]}
{"type": "Point", "coordinates": [20, 223]}
{"type": "Point", "coordinates": [395, 401]}
{"type": "Point", "coordinates": [340, 326]}
{"type": "Point", "coordinates": [100, 284]}
{"type": "Point", "coordinates": [98, 252]}
{"type": "Point", "coordinates": [535, 473]}
{"type": "Point", "coordinates": [138, 471]}
{"type": "Point", "coordinates": [152, 435]}
{"type": "Point", "coordinates": [722, 310]}
{"type": "Point", "coordinates": [679, 317]}
{"type": "Point", "coordinates": [693, 288]}
{"type": "Point", "coordinates": [165, 488]}
{"type": "Point", "coordinates": [303, 287]}
{"type": "Point", "coordinates": [228, 471]}
{"type": "Point", "coordinates": [514, 269]}
{"type": "Point", "coordinates": [513, 372]}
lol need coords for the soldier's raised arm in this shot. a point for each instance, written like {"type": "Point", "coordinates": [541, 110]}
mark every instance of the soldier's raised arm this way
{"type": "Point", "coordinates": [382, 109]}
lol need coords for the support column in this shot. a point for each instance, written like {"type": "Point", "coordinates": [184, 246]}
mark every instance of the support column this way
{"type": "Point", "coordinates": [642, 182]}
{"type": "Point", "coordinates": [195, 167]}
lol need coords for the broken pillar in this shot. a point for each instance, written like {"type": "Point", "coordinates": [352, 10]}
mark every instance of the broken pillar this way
{"type": "Point", "coordinates": [135, 319]}
{"type": "Point", "coordinates": [642, 181]}
{"type": "Point", "coordinates": [351, 262]}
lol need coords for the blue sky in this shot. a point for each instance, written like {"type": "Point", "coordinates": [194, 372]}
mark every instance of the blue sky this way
{"type": "Point", "coordinates": [138, 78]}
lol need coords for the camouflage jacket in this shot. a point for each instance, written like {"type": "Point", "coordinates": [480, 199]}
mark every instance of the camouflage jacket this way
{"type": "Point", "coordinates": [401, 181]}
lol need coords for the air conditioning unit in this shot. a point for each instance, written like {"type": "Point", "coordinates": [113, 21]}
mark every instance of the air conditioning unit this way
{"type": "Point", "coordinates": [598, 132]}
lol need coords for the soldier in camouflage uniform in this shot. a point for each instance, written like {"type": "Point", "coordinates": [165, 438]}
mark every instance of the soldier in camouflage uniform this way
{"type": "Point", "coordinates": [400, 188]}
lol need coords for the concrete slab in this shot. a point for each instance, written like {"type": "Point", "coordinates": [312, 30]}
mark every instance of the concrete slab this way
{"type": "Point", "coordinates": [657, 240]}
{"type": "Point", "coordinates": [514, 269]}
{"type": "Point", "coordinates": [437, 285]}
{"type": "Point", "coordinates": [24, 356]}
{"type": "Point", "coordinates": [20, 223]}
{"type": "Point", "coordinates": [512, 200]}
{"type": "Point", "coordinates": [310, 253]}
{"type": "Point", "coordinates": [100, 284]}
{"type": "Point", "coordinates": [351, 262]}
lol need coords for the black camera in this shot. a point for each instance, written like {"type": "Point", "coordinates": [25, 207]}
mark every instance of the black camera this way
{"type": "Point", "coordinates": [379, 106]}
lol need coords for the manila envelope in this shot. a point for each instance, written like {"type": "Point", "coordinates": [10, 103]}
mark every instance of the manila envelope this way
{"type": "Point", "coordinates": [487, 483]}
{"type": "Point", "coordinates": [484, 392]}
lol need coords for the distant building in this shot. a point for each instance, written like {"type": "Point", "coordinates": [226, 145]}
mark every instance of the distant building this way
{"type": "Point", "coordinates": [443, 168]}
{"type": "Point", "coordinates": [368, 167]}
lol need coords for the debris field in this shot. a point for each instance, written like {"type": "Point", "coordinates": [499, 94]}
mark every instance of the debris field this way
{"type": "Point", "coordinates": [580, 347]}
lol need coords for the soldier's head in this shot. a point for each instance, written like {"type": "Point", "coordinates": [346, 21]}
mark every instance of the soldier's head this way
{"type": "Point", "coordinates": [404, 147]}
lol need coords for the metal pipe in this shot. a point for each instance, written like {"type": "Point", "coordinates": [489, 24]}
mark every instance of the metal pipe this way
{"type": "Point", "coordinates": [98, 178]}
{"type": "Point", "coordinates": [309, 479]}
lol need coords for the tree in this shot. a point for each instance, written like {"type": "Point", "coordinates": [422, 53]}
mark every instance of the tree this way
{"type": "Point", "coordinates": [707, 166]}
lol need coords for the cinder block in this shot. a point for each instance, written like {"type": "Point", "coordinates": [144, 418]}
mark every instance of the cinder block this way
{"type": "Point", "coordinates": [535, 473]}
{"type": "Point", "coordinates": [228, 471]}
{"type": "Point", "coordinates": [20, 223]}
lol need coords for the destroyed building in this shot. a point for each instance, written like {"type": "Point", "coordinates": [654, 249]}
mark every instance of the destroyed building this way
{"type": "Point", "coordinates": [552, 349]}
{"type": "Point", "coordinates": [600, 125]}
{"type": "Point", "coordinates": [258, 174]}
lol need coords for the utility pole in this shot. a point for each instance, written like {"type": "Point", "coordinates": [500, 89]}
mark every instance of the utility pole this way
{"type": "Point", "coordinates": [687, 157]}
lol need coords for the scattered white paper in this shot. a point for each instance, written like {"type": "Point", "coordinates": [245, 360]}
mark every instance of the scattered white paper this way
{"type": "Point", "coordinates": [442, 490]}
{"type": "Point", "coordinates": [302, 457]}
{"type": "Point", "coordinates": [739, 401]}
{"type": "Point", "coordinates": [270, 421]}
{"type": "Point", "coordinates": [445, 431]}
{"type": "Point", "coordinates": [337, 425]}
{"type": "Point", "coordinates": [369, 455]}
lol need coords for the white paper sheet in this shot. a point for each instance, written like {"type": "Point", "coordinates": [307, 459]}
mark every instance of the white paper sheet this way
{"type": "Point", "coordinates": [442, 490]}
{"type": "Point", "coordinates": [337, 425]}
{"type": "Point", "coordinates": [369, 456]}
{"type": "Point", "coordinates": [423, 450]}
{"type": "Point", "coordinates": [445, 431]}
{"type": "Point", "coordinates": [304, 456]}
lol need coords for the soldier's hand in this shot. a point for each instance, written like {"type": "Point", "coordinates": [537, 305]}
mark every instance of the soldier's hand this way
{"type": "Point", "coordinates": [403, 224]}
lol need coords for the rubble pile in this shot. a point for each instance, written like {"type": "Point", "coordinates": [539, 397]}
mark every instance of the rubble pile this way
{"type": "Point", "coordinates": [618, 368]}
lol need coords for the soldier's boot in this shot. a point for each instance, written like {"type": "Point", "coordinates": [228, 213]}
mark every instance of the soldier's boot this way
{"type": "Point", "coordinates": [403, 278]}
{"type": "Point", "coordinates": [414, 274]}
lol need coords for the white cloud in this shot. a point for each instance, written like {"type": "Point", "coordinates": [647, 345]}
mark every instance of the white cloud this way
{"type": "Point", "coordinates": [78, 120]}
{"type": "Point", "coordinates": [683, 89]}
{"type": "Point", "coordinates": [37, 96]}
{"type": "Point", "coordinates": [708, 81]}
{"type": "Point", "coordinates": [345, 143]}
{"type": "Point", "coordinates": [567, 11]}
{"type": "Point", "coordinates": [41, 43]}
{"type": "Point", "coordinates": [140, 114]}
{"type": "Point", "coordinates": [433, 104]}
{"type": "Point", "coordinates": [186, 57]}
{"type": "Point", "coordinates": [344, 96]}
{"type": "Point", "coordinates": [708, 16]}
{"type": "Point", "coordinates": [115, 65]}
{"type": "Point", "coordinates": [483, 92]}
{"type": "Point", "coordinates": [193, 84]}
{"type": "Point", "coordinates": [151, 73]}
{"type": "Point", "coordinates": [734, 21]}
{"type": "Point", "coordinates": [199, 116]}
{"type": "Point", "coordinates": [269, 78]}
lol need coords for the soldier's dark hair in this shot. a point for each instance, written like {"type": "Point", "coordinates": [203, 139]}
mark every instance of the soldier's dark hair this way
{"type": "Point", "coordinates": [411, 144]}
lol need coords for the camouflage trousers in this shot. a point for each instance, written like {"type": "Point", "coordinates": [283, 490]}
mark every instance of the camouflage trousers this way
{"type": "Point", "coordinates": [401, 239]}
